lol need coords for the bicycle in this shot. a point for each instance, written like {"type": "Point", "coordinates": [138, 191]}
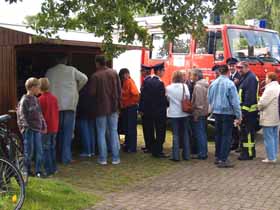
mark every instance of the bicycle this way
{"type": "Point", "coordinates": [12, 183]}
{"type": "Point", "coordinates": [12, 187]}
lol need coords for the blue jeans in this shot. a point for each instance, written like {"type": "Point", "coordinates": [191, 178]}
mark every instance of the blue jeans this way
{"type": "Point", "coordinates": [271, 141]}
{"type": "Point", "coordinates": [130, 127]}
{"type": "Point", "coordinates": [32, 141]}
{"type": "Point", "coordinates": [110, 123]}
{"type": "Point", "coordinates": [223, 131]}
{"type": "Point", "coordinates": [65, 135]}
{"type": "Point", "coordinates": [176, 124]}
{"type": "Point", "coordinates": [201, 136]}
{"type": "Point", "coordinates": [49, 157]}
{"type": "Point", "coordinates": [87, 131]}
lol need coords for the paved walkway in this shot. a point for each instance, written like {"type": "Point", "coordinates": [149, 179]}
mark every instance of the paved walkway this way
{"type": "Point", "coordinates": [200, 185]}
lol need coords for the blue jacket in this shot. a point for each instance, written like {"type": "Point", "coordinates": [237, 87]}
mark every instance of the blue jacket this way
{"type": "Point", "coordinates": [248, 93]}
{"type": "Point", "coordinates": [223, 97]}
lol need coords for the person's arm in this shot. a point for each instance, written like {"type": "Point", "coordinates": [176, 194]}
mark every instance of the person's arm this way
{"type": "Point", "coordinates": [133, 89]}
{"type": "Point", "coordinates": [250, 93]}
{"type": "Point", "coordinates": [234, 101]}
{"type": "Point", "coordinates": [22, 115]}
{"type": "Point", "coordinates": [195, 102]}
{"type": "Point", "coordinates": [162, 94]}
{"type": "Point", "coordinates": [265, 100]}
{"type": "Point", "coordinates": [92, 86]}
{"type": "Point", "coordinates": [81, 79]}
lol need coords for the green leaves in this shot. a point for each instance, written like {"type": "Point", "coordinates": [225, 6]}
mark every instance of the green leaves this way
{"type": "Point", "coordinates": [267, 9]}
{"type": "Point", "coordinates": [111, 17]}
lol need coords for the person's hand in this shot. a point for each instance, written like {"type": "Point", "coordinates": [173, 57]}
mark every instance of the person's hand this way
{"type": "Point", "coordinates": [237, 122]}
{"type": "Point", "coordinates": [195, 118]}
{"type": "Point", "coordinates": [236, 81]}
{"type": "Point", "coordinates": [44, 131]}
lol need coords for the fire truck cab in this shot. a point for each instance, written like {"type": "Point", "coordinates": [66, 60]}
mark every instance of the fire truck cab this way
{"type": "Point", "coordinates": [259, 47]}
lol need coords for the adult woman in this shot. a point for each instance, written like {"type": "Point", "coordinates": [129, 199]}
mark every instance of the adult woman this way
{"type": "Point", "coordinates": [269, 117]}
{"type": "Point", "coordinates": [129, 106]}
{"type": "Point", "coordinates": [179, 119]}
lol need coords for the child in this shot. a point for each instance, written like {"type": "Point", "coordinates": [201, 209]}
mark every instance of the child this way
{"type": "Point", "coordinates": [31, 124]}
{"type": "Point", "coordinates": [49, 105]}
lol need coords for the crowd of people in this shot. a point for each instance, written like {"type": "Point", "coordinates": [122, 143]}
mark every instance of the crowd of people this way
{"type": "Point", "coordinates": [107, 104]}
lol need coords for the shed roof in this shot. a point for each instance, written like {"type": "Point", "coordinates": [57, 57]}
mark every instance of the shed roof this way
{"type": "Point", "coordinates": [78, 38]}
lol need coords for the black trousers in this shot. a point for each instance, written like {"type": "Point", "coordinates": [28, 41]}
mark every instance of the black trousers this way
{"type": "Point", "coordinates": [248, 132]}
{"type": "Point", "coordinates": [154, 128]}
{"type": "Point", "coordinates": [235, 138]}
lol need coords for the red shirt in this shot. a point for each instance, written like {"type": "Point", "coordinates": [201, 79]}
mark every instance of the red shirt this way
{"type": "Point", "coordinates": [49, 106]}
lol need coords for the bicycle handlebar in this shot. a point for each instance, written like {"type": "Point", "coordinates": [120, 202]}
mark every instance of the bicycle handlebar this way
{"type": "Point", "coordinates": [5, 118]}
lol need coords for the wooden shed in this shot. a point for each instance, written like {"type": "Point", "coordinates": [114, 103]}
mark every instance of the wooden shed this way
{"type": "Point", "coordinates": [23, 55]}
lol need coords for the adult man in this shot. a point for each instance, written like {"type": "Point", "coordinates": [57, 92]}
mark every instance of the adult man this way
{"type": "Point", "coordinates": [105, 86]}
{"type": "Point", "coordinates": [65, 84]}
{"type": "Point", "coordinates": [235, 77]}
{"type": "Point", "coordinates": [248, 93]}
{"type": "Point", "coordinates": [225, 105]}
{"type": "Point", "coordinates": [234, 74]}
{"type": "Point", "coordinates": [146, 75]}
{"type": "Point", "coordinates": [200, 111]}
{"type": "Point", "coordinates": [154, 110]}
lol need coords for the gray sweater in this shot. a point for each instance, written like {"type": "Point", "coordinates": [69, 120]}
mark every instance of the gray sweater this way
{"type": "Point", "coordinates": [65, 84]}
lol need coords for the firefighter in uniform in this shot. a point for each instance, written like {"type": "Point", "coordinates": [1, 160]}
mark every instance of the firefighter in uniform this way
{"type": "Point", "coordinates": [146, 75]}
{"type": "Point", "coordinates": [154, 111]}
{"type": "Point", "coordinates": [248, 93]}
{"type": "Point", "coordinates": [235, 77]}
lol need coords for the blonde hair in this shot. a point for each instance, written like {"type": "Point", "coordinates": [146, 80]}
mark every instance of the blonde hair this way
{"type": "Point", "coordinates": [44, 84]}
{"type": "Point", "coordinates": [31, 82]}
{"type": "Point", "coordinates": [178, 76]}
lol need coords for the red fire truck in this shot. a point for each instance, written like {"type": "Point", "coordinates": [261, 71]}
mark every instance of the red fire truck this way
{"type": "Point", "coordinates": [259, 47]}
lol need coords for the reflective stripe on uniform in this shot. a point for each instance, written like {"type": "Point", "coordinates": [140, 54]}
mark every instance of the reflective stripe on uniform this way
{"type": "Point", "coordinates": [240, 95]}
{"type": "Point", "coordinates": [250, 145]}
{"type": "Point", "coordinates": [252, 108]}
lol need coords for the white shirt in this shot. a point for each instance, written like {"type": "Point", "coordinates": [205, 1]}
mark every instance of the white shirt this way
{"type": "Point", "coordinates": [174, 93]}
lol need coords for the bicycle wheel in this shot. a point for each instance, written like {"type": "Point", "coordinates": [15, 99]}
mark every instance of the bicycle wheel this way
{"type": "Point", "coordinates": [12, 188]}
{"type": "Point", "coordinates": [16, 154]}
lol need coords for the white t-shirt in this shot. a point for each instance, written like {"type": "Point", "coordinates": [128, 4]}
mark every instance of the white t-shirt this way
{"type": "Point", "coordinates": [174, 93]}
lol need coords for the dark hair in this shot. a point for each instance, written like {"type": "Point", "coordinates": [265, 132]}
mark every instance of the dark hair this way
{"type": "Point", "coordinates": [101, 60]}
{"type": "Point", "coordinates": [122, 72]}
{"type": "Point", "coordinates": [61, 59]}
{"type": "Point", "coordinates": [223, 69]}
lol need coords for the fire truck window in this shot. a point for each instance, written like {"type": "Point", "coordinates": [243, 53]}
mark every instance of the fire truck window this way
{"type": "Point", "coordinates": [249, 44]}
{"type": "Point", "coordinates": [160, 47]}
{"type": "Point", "coordinates": [181, 44]}
{"type": "Point", "coordinates": [219, 47]}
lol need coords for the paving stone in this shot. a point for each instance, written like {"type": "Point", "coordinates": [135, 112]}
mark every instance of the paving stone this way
{"type": "Point", "coordinates": [200, 185]}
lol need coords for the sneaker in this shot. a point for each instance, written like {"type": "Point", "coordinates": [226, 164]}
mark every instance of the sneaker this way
{"type": "Point", "coordinates": [40, 175]}
{"type": "Point", "coordinates": [102, 163]}
{"type": "Point", "coordinates": [216, 162]}
{"type": "Point", "coordinates": [83, 155]}
{"type": "Point", "coordinates": [116, 162]}
{"type": "Point", "coordinates": [269, 161]}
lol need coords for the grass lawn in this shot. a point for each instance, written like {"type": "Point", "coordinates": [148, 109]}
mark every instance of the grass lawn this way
{"type": "Point", "coordinates": [49, 194]}
{"type": "Point", "coordinates": [84, 183]}
{"type": "Point", "coordinates": [88, 176]}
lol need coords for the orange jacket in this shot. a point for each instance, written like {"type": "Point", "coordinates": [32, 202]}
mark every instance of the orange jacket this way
{"type": "Point", "coordinates": [130, 94]}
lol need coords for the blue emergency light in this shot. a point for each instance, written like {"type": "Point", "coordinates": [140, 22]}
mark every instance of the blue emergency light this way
{"type": "Point", "coordinates": [262, 23]}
